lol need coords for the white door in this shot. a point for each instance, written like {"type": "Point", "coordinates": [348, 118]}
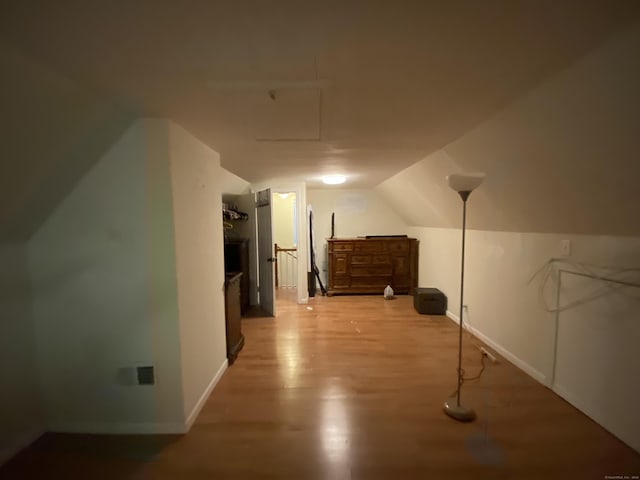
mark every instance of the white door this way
{"type": "Point", "coordinates": [265, 252]}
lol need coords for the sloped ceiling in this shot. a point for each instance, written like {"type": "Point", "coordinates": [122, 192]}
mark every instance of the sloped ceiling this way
{"type": "Point", "coordinates": [284, 90]}
{"type": "Point", "coordinates": [564, 158]}
{"type": "Point", "coordinates": [53, 130]}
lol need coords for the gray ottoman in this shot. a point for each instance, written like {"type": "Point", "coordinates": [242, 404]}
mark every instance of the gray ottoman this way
{"type": "Point", "coordinates": [430, 301]}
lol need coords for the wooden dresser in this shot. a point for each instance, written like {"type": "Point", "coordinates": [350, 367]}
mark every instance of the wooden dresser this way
{"type": "Point", "coordinates": [367, 265]}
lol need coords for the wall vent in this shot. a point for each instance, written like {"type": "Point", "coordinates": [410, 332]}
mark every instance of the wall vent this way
{"type": "Point", "coordinates": [146, 375]}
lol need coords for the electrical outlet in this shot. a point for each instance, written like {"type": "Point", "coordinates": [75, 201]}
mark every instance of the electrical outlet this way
{"type": "Point", "coordinates": [489, 355]}
{"type": "Point", "coordinates": [565, 248]}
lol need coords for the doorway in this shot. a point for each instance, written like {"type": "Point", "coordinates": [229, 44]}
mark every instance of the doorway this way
{"type": "Point", "coordinates": [285, 243]}
{"type": "Point", "coordinates": [296, 195]}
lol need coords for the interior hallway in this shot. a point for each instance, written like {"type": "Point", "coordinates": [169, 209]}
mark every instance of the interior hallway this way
{"type": "Point", "coordinates": [351, 388]}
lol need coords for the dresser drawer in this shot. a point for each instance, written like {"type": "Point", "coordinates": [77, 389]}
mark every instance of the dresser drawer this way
{"type": "Point", "coordinates": [370, 246]}
{"type": "Point", "coordinates": [341, 282]}
{"type": "Point", "coordinates": [380, 260]}
{"type": "Point", "coordinates": [341, 246]}
{"type": "Point", "coordinates": [398, 247]}
{"type": "Point", "coordinates": [373, 284]}
{"type": "Point", "coordinates": [364, 271]}
{"type": "Point", "coordinates": [360, 259]}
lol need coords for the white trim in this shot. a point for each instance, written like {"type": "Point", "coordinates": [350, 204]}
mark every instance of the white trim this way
{"type": "Point", "coordinates": [21, 442]}
{"type": "Point", "coordinates": [575, 401]}
{"type": "Point", "coordinates": [521, 364]}
{"type": "Point", "coordinates": [191, 418]}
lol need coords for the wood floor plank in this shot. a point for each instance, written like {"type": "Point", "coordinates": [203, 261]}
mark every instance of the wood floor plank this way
{"type": "Point", "coordinates": [352, 388]}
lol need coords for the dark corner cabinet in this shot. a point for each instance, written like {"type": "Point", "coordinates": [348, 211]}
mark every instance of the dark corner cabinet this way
{"type": "Point", "coordinates": [236, 292]}
{"type": "Point", "coordinates": [232, 315]}
{"type": "Point", "coordinates": [368, 265]}
{"type": "Point", "coordinates": [236, 259]}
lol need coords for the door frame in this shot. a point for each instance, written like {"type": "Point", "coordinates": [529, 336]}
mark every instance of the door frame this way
{"type": "Point", "coordinates": [302, 231]}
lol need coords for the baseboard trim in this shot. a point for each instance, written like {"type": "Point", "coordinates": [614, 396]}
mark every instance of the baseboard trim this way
{"type": "Point", "coordinates": [142, 428]}
{"type": "Point", "coordinates": [20, 443]}
{"type": "Point", "coordinates": [518, 362]}
{"type": "Point", "coordinates": [630, 440]}
{"type": "Point", "coordinates": [453, 316]}
{"type": "Point", "coordinates": [191, 418]}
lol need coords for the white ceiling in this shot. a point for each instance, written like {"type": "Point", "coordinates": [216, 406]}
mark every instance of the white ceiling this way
{"type": "Point", "coordinates": [296, 89]}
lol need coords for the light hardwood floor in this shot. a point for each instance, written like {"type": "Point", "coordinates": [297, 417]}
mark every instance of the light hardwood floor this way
{"type": "Point", "coordinates": [352, 388]}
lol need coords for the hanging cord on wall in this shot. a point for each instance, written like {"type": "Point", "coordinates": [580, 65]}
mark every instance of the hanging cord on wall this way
{"type": "Point", "coordinates": [548, 277]}
{"type": "Point", "coordinates": [610, 281]}
{"type": "Point", "coordinates": [548, 273]}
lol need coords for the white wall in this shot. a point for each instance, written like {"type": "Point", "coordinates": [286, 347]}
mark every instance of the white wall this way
{"type": "Point", "coordinates": [596, 373]}
{"type": "Point", "coordinates": [104, 300]}
{"type": "Point", "coordinates": [498, 268]}
{"type": "Point", "coordinates": [357, 213]}
{"type": "Point", "coordinates": [509, 311]}
{"type": "Point", "coordinates": [284, 229]}
{"type": "Point", "coordinates": [561, 161]}
{"type": "Point", "coordinates": [21, 416]}
{"type": "Point", "coordinates": [128, 271]}
{"type": "Point", "coordinates": [283, 220]}
{"type": "Point", "coordinates": [162, 295]}
{"type": "Point", "coordinates": [232, 184]}
{"type": "Point", "coordinates": [197, 183]}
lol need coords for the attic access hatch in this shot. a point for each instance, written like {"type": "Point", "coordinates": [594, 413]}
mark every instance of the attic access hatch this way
{"type": "Point", "coordinates": [279, 111]}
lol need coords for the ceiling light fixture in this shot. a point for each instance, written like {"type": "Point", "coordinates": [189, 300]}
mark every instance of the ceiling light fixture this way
{"type": "Point", "coordinates": [334, 179]}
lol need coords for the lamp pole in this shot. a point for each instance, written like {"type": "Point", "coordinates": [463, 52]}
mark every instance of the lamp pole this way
{"type": "Point", "coordinates": [458, 411]}
{"type": "Point", "coordinates": [464, 196]}
{"type": "Point", "coordinates": [464, 184]}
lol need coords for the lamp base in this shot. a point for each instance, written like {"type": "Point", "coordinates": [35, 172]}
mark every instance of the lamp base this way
{"type": "Point", "coordinates": [458, 412]}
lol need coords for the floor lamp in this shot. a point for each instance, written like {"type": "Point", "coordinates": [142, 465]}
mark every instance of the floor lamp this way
{"type": "Point", "coordinates": [464, 184]}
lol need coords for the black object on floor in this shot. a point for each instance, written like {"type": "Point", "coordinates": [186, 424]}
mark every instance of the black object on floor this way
{"type": "Point", "coordinates": [314, 267]}
{"type": "Point", "coordinates": [430, 301]}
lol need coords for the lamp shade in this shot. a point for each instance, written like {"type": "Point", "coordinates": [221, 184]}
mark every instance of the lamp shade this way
{"type": "Point", "coordinates": [465, 182]}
